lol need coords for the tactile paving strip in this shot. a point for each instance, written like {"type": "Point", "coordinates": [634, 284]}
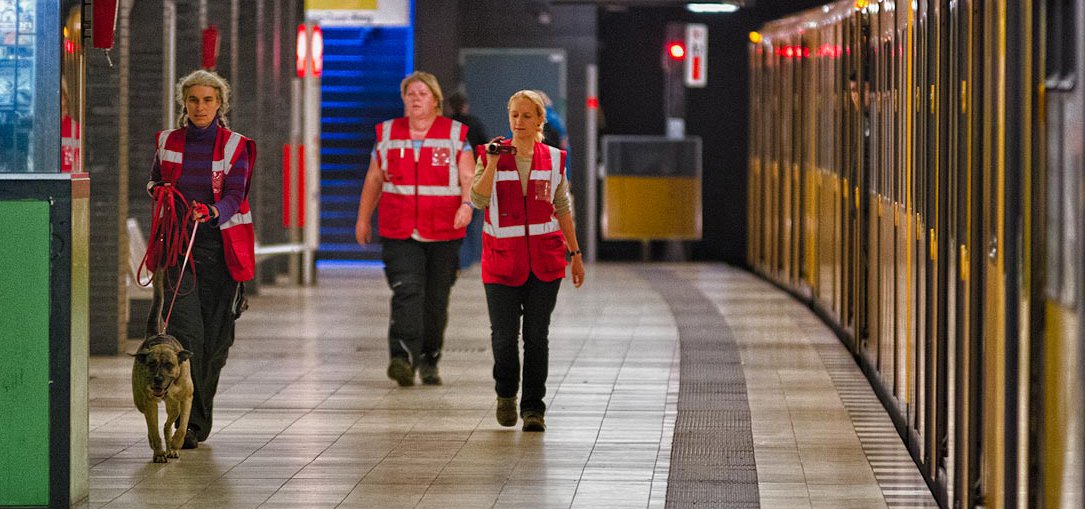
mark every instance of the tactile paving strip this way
{"type": "Point", "coordinates": [712, 456]}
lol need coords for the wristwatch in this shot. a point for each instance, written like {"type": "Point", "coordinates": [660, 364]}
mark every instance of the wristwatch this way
{"type": "Point", "coordinates": [571, 254]}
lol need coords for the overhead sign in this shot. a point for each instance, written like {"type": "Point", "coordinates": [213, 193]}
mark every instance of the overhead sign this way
{"type": "Point", "coordinates": [696, 55]}
{"type": "Point", "coordinates": [359, 13]}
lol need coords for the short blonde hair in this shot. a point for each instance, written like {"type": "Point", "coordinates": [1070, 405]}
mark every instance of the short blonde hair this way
{"type": "Point", "coordinates": [204, 78]}
{"type": "Point", "coordinates": [427, 79]}
{"type": "Point", "coordinates": [540, 107]}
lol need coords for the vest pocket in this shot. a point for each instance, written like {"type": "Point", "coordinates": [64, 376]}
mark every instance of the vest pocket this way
{"type": "Point", "coordinates": [551, 254]}
{"type": "Point", "coordinates": [499, 262]}
{"type": "Point", "coordinates": [240, 251]}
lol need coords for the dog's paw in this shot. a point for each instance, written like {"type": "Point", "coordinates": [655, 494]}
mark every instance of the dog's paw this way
{"type": "Point", "coordinates": [160, 457]}
{"type": "Point", "coordinates": [172, 453]}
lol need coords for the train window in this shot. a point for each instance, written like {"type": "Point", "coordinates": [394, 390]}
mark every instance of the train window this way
{"type": "Point", "coordinates": [1061, 58]}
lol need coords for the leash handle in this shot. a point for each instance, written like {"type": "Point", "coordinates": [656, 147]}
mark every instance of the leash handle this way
{"type": "Point", "coordinates": [177, 288]}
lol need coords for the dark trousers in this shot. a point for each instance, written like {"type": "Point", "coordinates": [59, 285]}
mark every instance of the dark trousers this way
{"type": "Point", "coordinates": [534, 302]}
{"type": "Point", "coordinates": [201, 320]}
{"type": "Point", "coordinates": [421, 275]}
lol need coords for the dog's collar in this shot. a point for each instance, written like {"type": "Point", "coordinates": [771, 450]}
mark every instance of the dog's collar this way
{"type": "Point", "coordinates": [161, 339]}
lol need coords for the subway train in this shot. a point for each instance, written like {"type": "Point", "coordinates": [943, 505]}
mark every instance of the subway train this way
{"type": "Point", "coordinates": [915, 175]}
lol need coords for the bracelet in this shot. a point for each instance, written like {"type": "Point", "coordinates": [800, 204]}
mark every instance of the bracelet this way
{"type": "Point", "coordinates": [469, 204]}
{"type": "Point", "coordinates": [573, 253]}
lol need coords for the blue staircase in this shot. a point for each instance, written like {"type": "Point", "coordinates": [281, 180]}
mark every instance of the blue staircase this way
{"type": "Point", "coordinates": [359, 88]}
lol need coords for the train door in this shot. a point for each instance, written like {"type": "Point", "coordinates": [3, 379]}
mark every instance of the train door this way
{"type": "Point", "coordinates": [922, 164]}
{"type": "Point", "coordinates": [905, 230]}
{"type": "Point", "coordinates": [875, 204]}
{"type": "Point", "coordinates": [786, 154]}
{"type": "Point", "coordinates": [956, 93]}
{"type": "Point", "coordinates": [796, 138]}
{"type": "Point", "coordinates": [857, 136]}
{"type": "Point", "coordinates": [809, 193]}
{"type": "Point", "coordinates": [987, 256]}
{"type": "Point", "coordinates": [759, 84]}
{"type": "Point", "coordinates": [1057, 418]}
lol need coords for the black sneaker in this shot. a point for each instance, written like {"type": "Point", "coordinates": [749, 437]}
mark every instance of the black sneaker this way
{"type": "Point", "coordinates": [429, 375]}
{"type": "Point", "coordinates": [400, 371]}
{"type": "Point", "coordinates": [191, 442]}
{"type": "Point", "coordinates": [534, 421]}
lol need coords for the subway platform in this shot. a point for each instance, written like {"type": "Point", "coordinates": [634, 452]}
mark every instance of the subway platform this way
{"type": "Point", "coordinates": [671, 385]}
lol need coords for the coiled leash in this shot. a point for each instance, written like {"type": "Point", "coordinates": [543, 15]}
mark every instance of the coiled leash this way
{"type": "Point", "coordinates": [168, 231]}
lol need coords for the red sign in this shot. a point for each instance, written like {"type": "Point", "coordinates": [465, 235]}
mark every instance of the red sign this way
{"type": "Point", "coordinates": [696, 55]}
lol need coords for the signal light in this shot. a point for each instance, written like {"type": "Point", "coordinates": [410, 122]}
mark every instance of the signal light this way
{"type": "Point", "coordinates": [302, 50]}
{"type": "Point", "coordinates": [676, 51]}
{"type": "Point", "coordinates": [317, 51]}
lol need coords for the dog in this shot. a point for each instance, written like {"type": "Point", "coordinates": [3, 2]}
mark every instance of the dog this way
{"type": "Point", "coordinates": [162, 372]}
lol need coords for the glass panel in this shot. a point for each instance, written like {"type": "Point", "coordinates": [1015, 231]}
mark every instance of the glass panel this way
{"type": "Point", "coordinates": [29, 86]}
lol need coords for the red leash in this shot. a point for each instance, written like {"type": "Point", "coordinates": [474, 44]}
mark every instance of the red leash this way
{"type": "Point", "coordinates": [168, 232]}
{"type": "Point", "coordinates": [177, 287]}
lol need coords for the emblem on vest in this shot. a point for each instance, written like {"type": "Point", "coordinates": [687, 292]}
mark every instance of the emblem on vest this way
{"type": "Point", "coordinates": [442, 156]}
{"type": "Point", "coordinates": [216, 181]}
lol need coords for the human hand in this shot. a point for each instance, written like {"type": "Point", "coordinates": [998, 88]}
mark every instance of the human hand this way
{"type": "Point", "coordinates": [363, 232]}
{"type": "Point", "coordinates": [201, 212]}
{"type": "Point", "coordinates": [156, 188]}
{"type": "Point", "coordinates": [578, 270]}
{"type": "Point", "coordinates": [494, 147]}
{"type": "Point", "coordinates": [463, 216]}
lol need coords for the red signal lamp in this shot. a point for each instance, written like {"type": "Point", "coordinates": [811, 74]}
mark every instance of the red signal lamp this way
{"type": "Point", "coordinates": [676, 51]}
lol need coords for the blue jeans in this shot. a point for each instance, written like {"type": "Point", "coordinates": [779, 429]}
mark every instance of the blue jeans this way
{"type": "Point", "coordinates": [421, 275]}
{"type": "Point", "coordinates": [534, 302]}
{"type": "Point", "coordinates": [471, 252]}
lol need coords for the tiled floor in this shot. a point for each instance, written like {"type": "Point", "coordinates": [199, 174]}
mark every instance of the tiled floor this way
{"type": "Point", "coordinates": [305, 416]}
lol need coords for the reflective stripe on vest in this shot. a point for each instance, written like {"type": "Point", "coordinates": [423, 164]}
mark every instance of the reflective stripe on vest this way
{"type": "Point", "coordinates": [238, 218]}
{"type": "Point", "coordinates": [494, 210]}
{"type": "Point", "coordinates": [453, 144]}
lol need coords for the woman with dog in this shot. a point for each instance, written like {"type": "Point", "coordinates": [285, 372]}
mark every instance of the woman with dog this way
{"type": "Point", "coordinates": [418, 174]}
{"type": "Point", "coordinates": [201, 172]}
{"type": "Point", "coordinates": [527, 236]}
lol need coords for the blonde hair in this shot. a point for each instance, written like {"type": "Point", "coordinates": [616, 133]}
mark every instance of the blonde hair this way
{"type": "Point", "coordinates": [427, 79]}
{"type": "Point", "coordinates": [540, 107]}
{"type": "Point", "coordinates": [202, 78]}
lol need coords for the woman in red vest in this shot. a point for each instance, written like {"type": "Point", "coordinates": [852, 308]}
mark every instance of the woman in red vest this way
{"type": "Point", "coordinates": [419, 174]}
{"type": "Point", "coordinates": [527, 236]}
{"type": "Point", "coordinates": [210, 166]}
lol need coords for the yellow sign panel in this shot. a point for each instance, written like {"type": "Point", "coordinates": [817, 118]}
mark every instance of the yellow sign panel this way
{"type": "Point", "coordinates": [341, 5]}
{"type": "Point", "coordinates": [651, 208]}
{"type": "Point", "coordinates": [359, 12]}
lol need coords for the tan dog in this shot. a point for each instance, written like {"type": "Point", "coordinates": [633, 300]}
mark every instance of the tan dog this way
{"type": "Point", "coordinates": [161, 371]}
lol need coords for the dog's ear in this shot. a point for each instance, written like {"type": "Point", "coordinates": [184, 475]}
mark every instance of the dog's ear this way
{"type": "Point", "coordinates": [183, 355]}
{"type": "Point", "coordinates": [141, 356]}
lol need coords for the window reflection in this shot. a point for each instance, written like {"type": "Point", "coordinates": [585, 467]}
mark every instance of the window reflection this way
{"type": "Point", "coordinates": [71, 86]}
{"type": "Point", "coordinates": [17, 23]}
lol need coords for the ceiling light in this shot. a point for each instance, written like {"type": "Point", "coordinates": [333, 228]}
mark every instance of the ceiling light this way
{"type": "Point", "coordinates": [713, 8]}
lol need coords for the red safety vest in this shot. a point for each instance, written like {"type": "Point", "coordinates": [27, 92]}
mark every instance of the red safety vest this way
{"type": "Point", "coordinates": [423, 195]}
{"type": "Point", "coordinates": [69, 145]}
{"type": "Point", "coordinates": [238, 236]}
{"type": "Point", "coordinates": [521, 234]}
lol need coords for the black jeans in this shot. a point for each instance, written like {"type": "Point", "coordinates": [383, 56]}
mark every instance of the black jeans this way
{"type": "Point", "coordinates": [534, 302]}
{"type": "Point", "coordinates": [421, 275]}
{"type": "Point", "coordinates": [201, 320]}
